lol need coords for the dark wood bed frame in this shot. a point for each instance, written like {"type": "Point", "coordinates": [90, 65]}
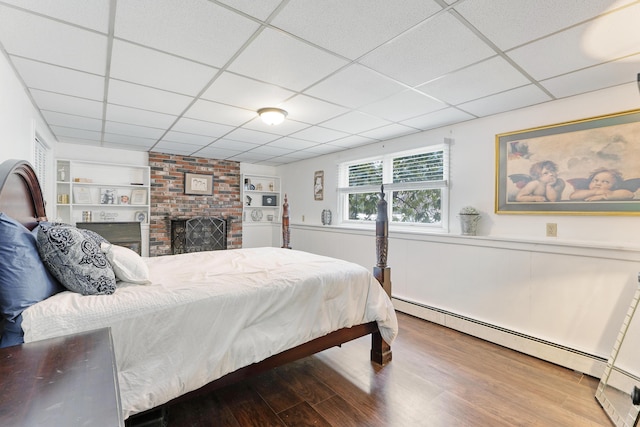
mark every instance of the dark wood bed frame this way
{"type": "Point", "coordinates": [21, 198]}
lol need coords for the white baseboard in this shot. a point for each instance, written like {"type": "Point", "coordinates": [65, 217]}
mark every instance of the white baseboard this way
{"type": "Point", "coordinates": [554, 353]}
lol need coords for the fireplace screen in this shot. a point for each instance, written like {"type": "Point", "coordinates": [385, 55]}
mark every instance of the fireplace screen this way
{"type": "Point", "coordinates": [198, 234]}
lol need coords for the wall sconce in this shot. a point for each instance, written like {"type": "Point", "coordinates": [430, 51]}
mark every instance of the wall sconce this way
{"type": "Point", "coordinates": [272, 116]}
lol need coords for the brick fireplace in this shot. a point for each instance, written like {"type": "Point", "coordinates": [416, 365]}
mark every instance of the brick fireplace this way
{"type": "Point", "coordinates": [169, 202]}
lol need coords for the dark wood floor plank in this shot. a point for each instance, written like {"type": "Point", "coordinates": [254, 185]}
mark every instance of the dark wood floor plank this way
{"type": "Point", "coordinates": [438, 377]}
{"type": "Point", "coordinates": [303, 415]}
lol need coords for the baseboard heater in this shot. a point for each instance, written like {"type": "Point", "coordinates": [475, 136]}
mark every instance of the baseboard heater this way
{"type": "Point", "coordinates": [561, 355]}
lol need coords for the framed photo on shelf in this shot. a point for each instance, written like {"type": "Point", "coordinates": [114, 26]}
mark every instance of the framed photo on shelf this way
{"type": "Point", "coordinates": [198, 184]}
{"type": "Point", "coordinates": [108, 196]}
{"type": "Point", "coordinates": [124, 199]}
{"type": "Point", "coordinates": [82, 196]}
{"type": "Point", "coordinates": [138, 197]}
{"type": "Point", "coordinates": [585, 167]}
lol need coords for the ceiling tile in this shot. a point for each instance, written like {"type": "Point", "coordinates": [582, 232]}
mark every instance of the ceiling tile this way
{"type": "Point", "coordinates": [149, 67]}
{"type": "Point", "coordinates": [71, 121]}
{"type": "Point", "coordinates": [133, 130]}
{"type": "Point", "coordinates": [528, 20]}
{"type": "Point", "coordinates": [319, 134]}
{"type": "Point", "coordinates": [385, 132]}
{"type": "Point", "coordinates": [310, 110]}
{"type": "Point", "coordinates": [412, 60]}
{"type": "Point", "coordinates": [233, 145]}
{"type": "Point", "coordinates": [248, 135]}
{"type": "Point", "coordinates": [67, 104]}
{"type": "Point", "coordinates": [355, 86]}
{"type": "Point", "coordinates": [146, 98]}
{"type": "Point", "coordinates": [352, 141]}
{"type": "Point", "coordinates": [277, 58]}
{"type": "Point", "coordinates": [49, 41]}
{"type": "Point", "coordinates": [186, 138]}
{"type": "Point", "coordinates": [292, 143]}
{"type": "Point", "coordinates": [352, 28]}
{"type": "Point", "coordinates": [219, 113]}
{"type": "Point", "coordinates": [129, 140]}
{"type": "Point", "coordinates": [201, 127]}
{"type": "Point", "coordinates": [438, 118]}
{"type": "Point", "coordinates": [355, 122]}
{"type": "Point", "coordinates": [38, 75]}
{"type": "Point", "coordinates": [485, 78]}
{"type": "Point", "coordinates": [402, 106]}
{"type": "Point", "coordinates": [170, 147]}
{"type": "Point", "coordinates": [506, 101]}
{"type": "Point", "coordinates": [246, 93]}
{"type": "Point", "coordinates": [197, 30]}
{"type": "Point", "coordinates": [214, 152]}
{"type": "Point", "coordinates": [88, 14]}
{"type": "Point", "coordinates": [270, 150]}
{"type": "Point", "coordinates": [258, 9]}
{"type": "Point", "coordinates": [134, 116]}
{"type": "Point", "coordinates": [561, 56]}
{"type": "Point", "coordinates": [77, 133]}
{"type": "Point", "coordinates": [593, 78]}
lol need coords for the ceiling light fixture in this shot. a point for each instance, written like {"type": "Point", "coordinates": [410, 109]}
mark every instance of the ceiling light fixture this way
{"type": "Point", "coordinates": [272, 116]}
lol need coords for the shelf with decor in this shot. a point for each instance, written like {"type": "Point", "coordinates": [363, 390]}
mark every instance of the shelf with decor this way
{"type": "Point", "coordinates": [261, 199]}
{"type": "Point", "coordinates": [101, 192]}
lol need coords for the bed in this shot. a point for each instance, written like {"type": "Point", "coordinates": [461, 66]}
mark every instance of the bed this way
{"type": "Point", "coordinates": [204, 320]}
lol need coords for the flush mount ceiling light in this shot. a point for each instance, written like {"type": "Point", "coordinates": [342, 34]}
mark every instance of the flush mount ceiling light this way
{"type": "Point", "coordinates": [272, 116]}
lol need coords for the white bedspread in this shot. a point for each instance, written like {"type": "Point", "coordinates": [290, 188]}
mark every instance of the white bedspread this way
{"type": "Point", "coordinates": [206, 314]}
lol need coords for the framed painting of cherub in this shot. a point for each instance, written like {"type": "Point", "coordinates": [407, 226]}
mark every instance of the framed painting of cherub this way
{"type": "Point", "coordinates": [585, 167]}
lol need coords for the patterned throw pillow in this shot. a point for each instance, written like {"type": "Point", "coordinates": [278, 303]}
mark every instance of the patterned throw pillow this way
{"type": "Point", "coordinates": [73, 256]}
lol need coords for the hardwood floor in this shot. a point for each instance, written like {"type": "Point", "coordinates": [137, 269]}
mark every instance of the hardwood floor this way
{"type": "Point", "coordinates": [438, 377]}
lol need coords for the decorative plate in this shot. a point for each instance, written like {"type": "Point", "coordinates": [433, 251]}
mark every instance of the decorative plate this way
{"type": "Point", "coordinates": [140, 216]}
{"type": "Point", "coordinates": [256, 214]}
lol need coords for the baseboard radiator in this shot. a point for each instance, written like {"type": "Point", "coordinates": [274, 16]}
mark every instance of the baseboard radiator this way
{"type": "Point", "coordinates": [588, 364]}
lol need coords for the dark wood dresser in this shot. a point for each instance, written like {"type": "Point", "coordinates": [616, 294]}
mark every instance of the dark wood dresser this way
{"type": "Point", "coordinates": [66, 381]}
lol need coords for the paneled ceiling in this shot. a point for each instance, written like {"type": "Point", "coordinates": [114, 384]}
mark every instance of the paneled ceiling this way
{"type": "Point", "coordinates": [187, 76]}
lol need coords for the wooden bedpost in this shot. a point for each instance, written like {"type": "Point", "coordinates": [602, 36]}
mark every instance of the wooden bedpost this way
{"type": "Point", "coordinates": [380, 350]}
{"type": "Point", "coordinates": [285, 224]}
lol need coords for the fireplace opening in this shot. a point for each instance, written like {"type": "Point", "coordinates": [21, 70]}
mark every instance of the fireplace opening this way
{"type": "Point", "coordinates": [198, 234]}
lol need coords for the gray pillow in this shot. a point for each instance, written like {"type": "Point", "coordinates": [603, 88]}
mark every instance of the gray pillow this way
{"type": "Point", "coordinates": [73, 256]}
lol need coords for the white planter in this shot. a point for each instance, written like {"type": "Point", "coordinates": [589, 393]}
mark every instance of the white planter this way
{"type": "Point", "coordinates": [469, 224]}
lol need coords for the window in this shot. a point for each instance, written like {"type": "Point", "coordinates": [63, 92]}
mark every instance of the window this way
{"type": "Point", "coordinates": [40, 162]}
{"type": "Point", "coordinates": [415, 184]}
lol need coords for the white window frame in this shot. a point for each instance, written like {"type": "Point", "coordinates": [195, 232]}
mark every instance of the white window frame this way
{"type": "Point", "coordinates": [389, 187]}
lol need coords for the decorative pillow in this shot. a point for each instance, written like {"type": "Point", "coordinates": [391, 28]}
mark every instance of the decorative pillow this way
{"type": "Point", "coordinates": [74, 257]}
{"type": "Point", "coordinates": [24, 280]}
{"type": "Point", "coordinates": [127, 264]}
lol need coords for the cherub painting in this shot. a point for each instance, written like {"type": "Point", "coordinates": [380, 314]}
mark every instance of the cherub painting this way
{"type": "Point", "coordinates": [541, 185]}
{"type": "Point", "coordinates": [604, 184]}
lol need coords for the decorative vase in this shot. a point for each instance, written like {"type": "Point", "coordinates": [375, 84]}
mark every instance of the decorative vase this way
{"type": "Point", "coordinates": [469, 224]}
{"type": "Point", "coordinates": [326, 217]}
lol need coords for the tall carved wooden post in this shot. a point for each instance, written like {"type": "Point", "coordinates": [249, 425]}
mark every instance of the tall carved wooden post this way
{"type": "Point", "coordinates": [285, 224]}
{"type": "Point", "coordinates": [380, 350]}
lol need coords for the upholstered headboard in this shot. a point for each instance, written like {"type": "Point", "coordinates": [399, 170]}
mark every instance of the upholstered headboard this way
{"type": "Point", "coordinates": [20, 193]}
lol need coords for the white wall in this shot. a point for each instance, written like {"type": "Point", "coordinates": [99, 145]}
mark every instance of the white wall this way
{"type": "Point", "coordinates": [20, 122]}
{"type": "Point", "coordinates": [572, 290]}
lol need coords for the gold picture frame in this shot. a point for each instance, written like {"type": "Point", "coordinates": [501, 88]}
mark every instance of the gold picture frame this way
{"type": "Point", "coordinates": [584, 167]}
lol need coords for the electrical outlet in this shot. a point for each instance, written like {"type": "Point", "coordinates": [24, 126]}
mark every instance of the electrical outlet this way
{"type": "Point", "coordinates": [552, 229]}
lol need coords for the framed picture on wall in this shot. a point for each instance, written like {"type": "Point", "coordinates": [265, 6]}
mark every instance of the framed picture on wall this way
{"type": "Point", "coordinates": [198, 184]}
{"type": "Point", "coordinates": [585, 167]}
{"type": "Point", "coordinates": [318, 185]}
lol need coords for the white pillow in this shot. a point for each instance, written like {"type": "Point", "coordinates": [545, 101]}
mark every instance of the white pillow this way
{"type": "Point", "coordinates": [127, 264]}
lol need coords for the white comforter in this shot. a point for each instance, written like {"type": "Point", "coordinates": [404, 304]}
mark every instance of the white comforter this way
{"type": "Point", "coordinates": [206, 314]}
